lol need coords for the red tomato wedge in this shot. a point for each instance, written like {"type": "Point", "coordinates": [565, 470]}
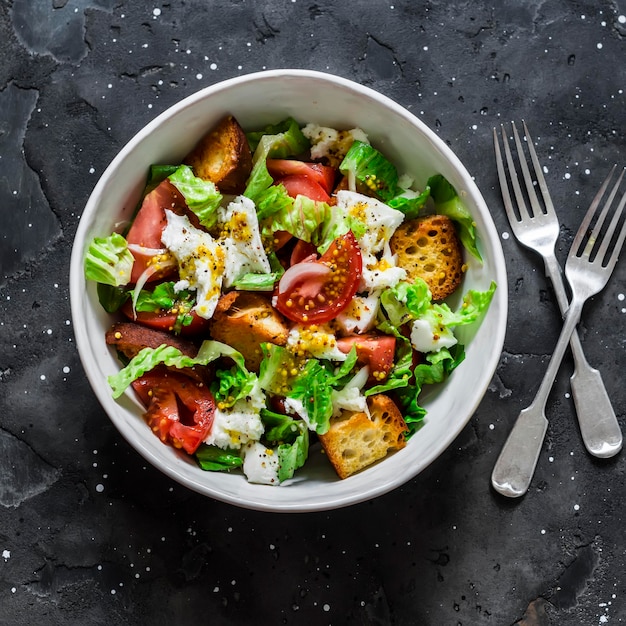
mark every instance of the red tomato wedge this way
{"type": "Point", "coordinates": [165, 320]}
{"type": "Point", "coordinates": [180, 410]}
{"type": "Point", "coordinates": [303, 186]}
{"type": "Point", "coordinates": [302, 250]}
{"type": "Point", "coordinates": [149, 223]}
{"type": "Point", "coordinates": [373, 350]}
{"type": "Point", "coordinates": [314, 292]}
{"type": "Point", "coordinates": [323, 175]}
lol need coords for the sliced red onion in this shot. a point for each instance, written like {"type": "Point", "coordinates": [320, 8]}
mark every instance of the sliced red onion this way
{"type": "Point", "coordinates": [145, 276]}
{"type": "Point", "coordinates": [302, 273]}
{"type": "Point", "coordinates": [135, 247]}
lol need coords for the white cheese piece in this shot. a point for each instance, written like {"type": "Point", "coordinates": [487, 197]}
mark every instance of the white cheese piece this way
{"type": "Point", "coordinates": [296, 407]}
{"type": "Point", "coordinates": [200, 261]}
{"type": "Point", "coordinates": [360, 314]}
{"type": "Point", "coordinates": [381, 220]}
{"type": "Point", "coordinates": [330, 143]}
{"type": "Point", "coordinates": [350, 397]}
{"type": "Point", "coordinates": [317, 341]}
{"type": "Point", "coordinates": [236, 426]}
{"type": "Point", "coordinates": [260, 464]}
{"type": "Point", "coordinates": [241, 240]}
{"type": "Point", "coordinates": [429, 337]}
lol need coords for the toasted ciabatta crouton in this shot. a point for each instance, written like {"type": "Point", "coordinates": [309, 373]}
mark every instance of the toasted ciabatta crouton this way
{"type": "Point", "coordinates": [245, 320]}
{"type": "Point", "coordinates": [223, 156]}
{"type": "Point", "coordinates": [355, 440]}
{"type": "Point", "coordinates": [429, 248]}
{"type": "Point", "coordinates": [129, 338]}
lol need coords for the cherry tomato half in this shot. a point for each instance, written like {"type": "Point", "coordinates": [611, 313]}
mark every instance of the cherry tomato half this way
{"type": "Point", "coordinates": [180, 410]}
{"type": "Point", "coordinates": [314, 292]}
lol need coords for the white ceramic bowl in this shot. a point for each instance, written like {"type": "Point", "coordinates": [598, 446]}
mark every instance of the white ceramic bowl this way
{"type": "Point", "coordinates": [257, 100]}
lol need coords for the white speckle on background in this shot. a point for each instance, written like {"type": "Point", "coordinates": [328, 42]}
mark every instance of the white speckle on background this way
{"type": "Point", "coordinates": [199, 76]}
{"type": "Point", "coordinates": [326, 607]}
{"type": "Point", "coordinates": [213, 66]}
{"type": "Point", "coordinates": [6, 555]}
{"type": "Point", "coordinates": [599, 46]}
{"type": "Point", "coordinates": [156, 12]}
{"type": "Point", "coordinates": [577, 507]}
{"type": "Point", "coordinates": [99, 487]}
{"type": "Point", "coordinates": [622, 19]}
{"type": "Point", "coordinates": [505, 235]}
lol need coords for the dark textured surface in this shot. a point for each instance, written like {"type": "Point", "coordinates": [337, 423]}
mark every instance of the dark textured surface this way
{"type": "Point", "coordinates": [91, 535]}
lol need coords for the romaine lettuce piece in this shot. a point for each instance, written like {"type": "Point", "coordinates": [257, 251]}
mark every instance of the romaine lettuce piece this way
{"type": "Point", "coordinates": [149, 358]}
{"type": "Point", "coordinates": [214, 459]}
{"type": "Point", "coordinates": [292, 456]}
{"type": "Point", "coordinates": [447, 202]}
{"type": "Point", "coordinates": [201, 196]}
{"type": "Point", "coordinates": [310, 384]}
{"type": "Point", "coordinates": [367, 166]}
{"type": "Point", "coordinates": [109, 261]}
{"type": "Point", "coordinates": [278, 142]}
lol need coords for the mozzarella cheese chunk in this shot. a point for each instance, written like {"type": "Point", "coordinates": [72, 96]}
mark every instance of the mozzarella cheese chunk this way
{"type": "Point", "coordinates": [260, 464]}
{"type": "Point", "coordinates": [236, 426]}
{"type": "Point", "coordinates": [429, 337]}
{"type": "Point", "coordinates": [241, 240]}
{"type": "Point", "coordinates": [200, 261]}
{"type": "Point", "coordinates": [317, 341]}
{"type": "Point", "coordinates": [360, 314]}
{"type": "Point", "coordinates": [381, 220]}
{"type": "Point", "coordinates": [330, 143]}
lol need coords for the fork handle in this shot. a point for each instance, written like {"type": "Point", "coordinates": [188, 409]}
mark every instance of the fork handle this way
{"type": "Point", "coordinates": [599, 428]}
{"type": "Point", "coordinates": [516, 464]}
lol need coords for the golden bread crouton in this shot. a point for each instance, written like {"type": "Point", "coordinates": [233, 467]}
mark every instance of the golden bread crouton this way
{"type": "Point", "coordinates": [429, 248]}
{"type": "Point", "coordinates": [245, 320]}
{"type": "Point", "coordinates": [355, 440]}
{"type": "Point", "coordinates": [223, 156]}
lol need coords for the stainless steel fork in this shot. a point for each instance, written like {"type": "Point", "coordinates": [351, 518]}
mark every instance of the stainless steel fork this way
{"type": "Point", "coordinates": [538, 229]}
{"type": "Point", "coordinates": [589, 265]}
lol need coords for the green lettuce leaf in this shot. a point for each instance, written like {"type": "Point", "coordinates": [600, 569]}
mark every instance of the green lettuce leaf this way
{"type": "Point", "coordinates": [277, 142]}
{"type": "Point", "coordinates": [149, 358]}
{"type": "Point", "coordinates": [111, 297]}
{"type": "Point", "coordinates": [312, 384]}
{"type": "Point", "coordinates": [372, 170]}
{"type": "Point", "coordinates": [447, 202]}
{"type": "Point", "coordinates": [109, 261]}
{"type": "Point", "coordinates": [214, 459]}
{"type": "Point", "coordinates": [302, 219]}
{"type": "Point", "coordinates": [292, 456]}
{"type": "Point", "coordinates": [232, 385]}
{"type": "Point", "coordinates": [202, 196]}
{"type": "Point", "coordinates": [257, 282]}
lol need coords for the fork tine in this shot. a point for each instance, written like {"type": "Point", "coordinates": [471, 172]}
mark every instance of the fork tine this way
{"type": "Point", "coordinates": [530, 187]}
{"type": "Point", "coordinates": [595, 235]}
{"type": "Point", "coordinates": [547, 200]}
{"type": "Point", "coordinates": [584, 226]}
{"type": "Point", "coordinates": [504, 187]}
{"type": "Point", "coordinates": [610, 263]}
{"type": "Point", "coordinates": [519, 196]}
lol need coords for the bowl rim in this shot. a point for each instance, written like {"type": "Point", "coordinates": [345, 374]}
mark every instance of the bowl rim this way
{"type": "Point", "coordinates": [77, 289]}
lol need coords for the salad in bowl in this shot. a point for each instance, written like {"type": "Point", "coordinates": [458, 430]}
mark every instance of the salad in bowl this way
{"type": "Point", "coordinates": [286, 285]}
{"type": "Point", "coordinates": [224, 339]}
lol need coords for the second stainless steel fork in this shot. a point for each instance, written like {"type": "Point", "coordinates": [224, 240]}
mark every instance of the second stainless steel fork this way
{"type": "Point", "coordinates": [538, 229]}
